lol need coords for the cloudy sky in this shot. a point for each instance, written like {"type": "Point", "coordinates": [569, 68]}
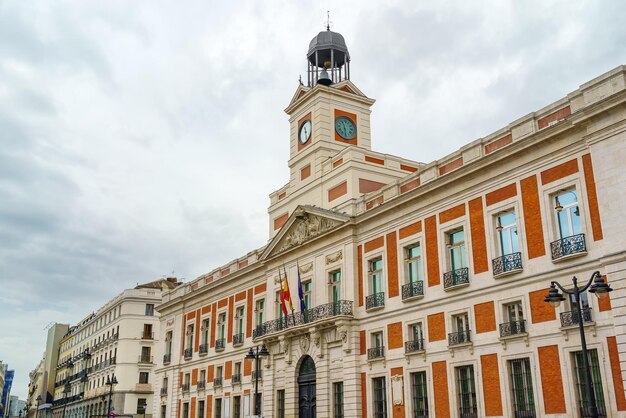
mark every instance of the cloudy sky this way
{"type": "Point", "coordinates": [141, 138]}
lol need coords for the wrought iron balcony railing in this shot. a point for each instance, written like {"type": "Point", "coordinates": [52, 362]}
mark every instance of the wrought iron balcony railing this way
{"type": "Point", "coordinates": [217, 382]}
{"type": "Point", "coordinates": [414, 346]}
{"type": "Point", "coordinates": [167, 358]}
{"type": "Point", "coordinates": [203, 348]}
{"type": "Point", "coordinates": [254, 374]}
{"type": "Point", "coordinates": [163, 391]}
{"type": "Point", "coordinates": [568, 246]}
{"type": "Point", "coordinates": [146, 359]}
{"type": "Point", "coordinates": [412, 290]}
{"type": "Point", "coordinates": [571, 318]}
{"type": "Point", "coordinates": [185, 387]}
{"type": "Point", "coordinates": [455, 278]}
{"type": "Point", "coordinates": [220, 344]}
{"type": "Point", "coordinates": [147, 335]}
{"type": "Point", "coordinates": [235, 378]}
{"type": "Point", "coordinates": [461, 337]}
{"type": "Point", "coordinates": [507, 263]}
{"type": "Point", "coordinates": [376, 300]}
{"type": "Point", "coordinates": [188, 353]}
{"type": "Point", "coordinates": [376, 352]}
{"type": "Point", "coordinates": [238, 339]}
{"type": "Point", "coordinates": [318, 313]}
{"type": "Point", "coordinates": [201, 384]}
{"type": "Point", "coordinates": [509, 329]}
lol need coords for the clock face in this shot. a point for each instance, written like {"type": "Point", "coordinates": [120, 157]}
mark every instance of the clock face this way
{"type": "Point", "coordinates": [305, 132]}
{"type": "Point", "coordinates": [345, 127]}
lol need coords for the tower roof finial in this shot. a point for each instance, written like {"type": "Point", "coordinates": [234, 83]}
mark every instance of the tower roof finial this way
{"type": "Point", "coordinates": [327, 19]}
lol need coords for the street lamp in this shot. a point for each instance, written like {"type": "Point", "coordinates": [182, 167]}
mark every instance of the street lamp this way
{"type": "Point", "coordinates": [110, 382]}
{"type": "Point", "coordinates": [38, 402]}
{"type": "Point", "coordinates": [256, 354]}
{"type": "Point", "coordinates": [66, 389]}
{"type": "Point", "coordinates": [601, 290]}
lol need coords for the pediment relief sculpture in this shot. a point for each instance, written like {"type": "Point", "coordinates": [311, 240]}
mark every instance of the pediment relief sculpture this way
{"type": "Point", "coordinates": [304, 229]}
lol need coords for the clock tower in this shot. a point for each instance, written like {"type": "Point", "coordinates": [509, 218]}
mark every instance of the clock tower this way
{"type": "Point", "coordinates": [331, 161]}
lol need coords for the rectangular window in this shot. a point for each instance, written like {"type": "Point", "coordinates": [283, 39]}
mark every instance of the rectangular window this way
{"type": "Point", "coordinates": [147, 331]}
{"type": "Point", "coordinates": [514, 322]}
{"type": "Point", "coordinates": [506, 227]}
{"type": "Point", "coordinates": [522, 387]}
{"type": "Point", "coordinates": [456, 249]}
{"type": "Point", "coordinates": [416, 331]}
{"type": "Point", "coordinates": [514, 311]}
{"type": "Point", "coordinates": [377, 339]}
{"type": "Point", "coordinates": [567, 213]}
{"type": "Point", "coordinates": [260, 310]}
{"type": "Point", "coordinates": [187, 379]}
{"type": "Point", "coordinates": [218, 372]}
{"type": "Point", "coordinates": [236, 407]}
{"type": "Point", "coordinates": [186, 410]}
{"type": "Point", "coordinates": [573, 302]}
{"type": "Point", "coordinates": [189, 335]}
{"type": "Point", "coordinates": [221, 325]}
{"type": "Point", "coordinates": [380, 397]}
{"type": "Point", "coordinates": [338, 399]}
{"type": "Point", "coordinates": [280, 395]}
{"type": "Point", "coordinates": [376, 276]}
{"type": "Point", "coordinates": [460, 322]}
{"type": "Point", "coordinates": [143, 377]}
{"type": "Point", "coordinates": [145, 355]}
{"type": "Point", "coordinates": [279, 307]}
{"type": "Point", "coordinates": [206, 329]}
{"type": "Point", "coordinates": [218, 408]}
{"type": "Point", "coordinates": [237, 368]}
{"type": "Point", "coordinates": [416, 338]}
{"type": "Point", "coordinates": [163, 411]}
{"type": "Point", "coordinates": [149, 309]}
{"type": "Point", "coordinates": [582, 395]}
{"type": "Point", "coordinates": [466, 389]}
{"type": "Point", "coordinates": [200, 409]}
{"type": "Point", "coordinates": [419, 396]}
{"type": "Point", "coordinates": [168, 343]}
{"type": "Point", "coordinates": [142, 404]}
{"type": "Point", "coordinates": [307, 290]}
{"type": "Point", "coordinates": [335, 286]}
{"type": "Point", "coordinates": [240, 315]}
{"type": "Point", "coordinates": [460, 325]}
{"type": "Point", "coordinates": [413, 260]}
{"type": "Point", "coordinates": [202, 376]}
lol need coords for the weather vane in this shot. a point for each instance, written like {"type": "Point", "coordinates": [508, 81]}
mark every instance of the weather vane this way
{"type": "Point", "coordinates": [328, 22]}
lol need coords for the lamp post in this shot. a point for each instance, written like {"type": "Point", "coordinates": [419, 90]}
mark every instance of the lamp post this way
{"type": "Point", "coordinates": [256, 354]}
{"type": "Point", "coordinates": [110, 382]}
{"type": "Point", "coordinates": [601, 290]}
{"type": "Point", "coordinates": [38, 402]}
{"type": "Point", "coordinates": [66, 389]}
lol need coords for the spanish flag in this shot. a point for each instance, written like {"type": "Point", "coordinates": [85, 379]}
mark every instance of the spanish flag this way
{"type": "Point", "coordinates": [281, 292]}
{"type": "Point", "coordinates": [286, 294]}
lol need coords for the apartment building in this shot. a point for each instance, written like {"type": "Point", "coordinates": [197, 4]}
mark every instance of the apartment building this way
{"type": "Point", "coordinates": [423, 284]}
{"type": "Point", "coordinates": [106, 361]}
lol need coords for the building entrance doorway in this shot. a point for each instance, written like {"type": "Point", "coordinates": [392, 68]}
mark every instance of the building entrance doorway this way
{"type": "Point", "coordinates": [306, 388]}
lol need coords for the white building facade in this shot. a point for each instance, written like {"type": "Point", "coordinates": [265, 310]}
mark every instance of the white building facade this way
{"type": "Point", "coordinates": [114, 344]}
{"type": "Point", "coordinates": [423, 284]}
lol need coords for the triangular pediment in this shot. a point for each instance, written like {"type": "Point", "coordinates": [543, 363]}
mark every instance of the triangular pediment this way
{"type": "Point", "coordinates": [300, 91]}
{"type": "Point", "coordinates": [305, 224]}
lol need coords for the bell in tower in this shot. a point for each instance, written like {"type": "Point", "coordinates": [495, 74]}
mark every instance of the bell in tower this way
{"type": "Point", "coordinates": [328, 59]}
